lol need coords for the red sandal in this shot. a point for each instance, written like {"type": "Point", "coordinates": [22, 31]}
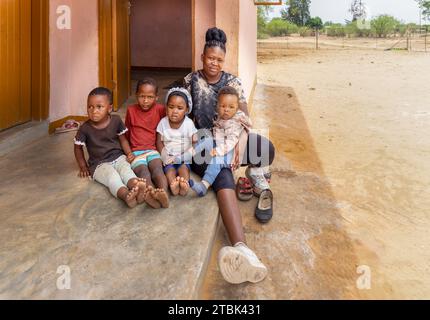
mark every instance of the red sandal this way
{"type": "Point", "coordinates": [244, 189]}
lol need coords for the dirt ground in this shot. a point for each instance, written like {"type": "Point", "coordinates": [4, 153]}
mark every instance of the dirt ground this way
{"type": "Point", "coordinates": [352, 176]}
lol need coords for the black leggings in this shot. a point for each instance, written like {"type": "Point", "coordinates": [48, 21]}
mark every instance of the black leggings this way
{"type": "Point", "coordinates": [260, 152]}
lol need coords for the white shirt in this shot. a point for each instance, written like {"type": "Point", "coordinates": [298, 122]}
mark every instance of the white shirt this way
{"type": "Point", "coordinates": [177, 141]}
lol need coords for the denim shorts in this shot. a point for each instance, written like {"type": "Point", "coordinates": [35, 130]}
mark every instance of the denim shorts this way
{"type": "Point", "coordinates": [176, 167]}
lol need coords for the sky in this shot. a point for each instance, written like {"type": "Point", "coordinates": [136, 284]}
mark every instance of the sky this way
{"type": "Point", "coordinates": [338, 10]}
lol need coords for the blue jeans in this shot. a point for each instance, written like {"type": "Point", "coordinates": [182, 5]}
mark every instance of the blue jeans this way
{"type": "Point", "coordinates": [216, 164]}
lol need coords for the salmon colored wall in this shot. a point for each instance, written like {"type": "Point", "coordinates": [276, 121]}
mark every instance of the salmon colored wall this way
{"type": "Point", "coordinates": [73, 58]}
{"type": "Point", "coordinates": [204, 19]}
{"type": "Point", "coordinates": [248, 44]}
{"type": "Point", "coordinates": [227, 19]}
{"type": "Point", "coordinates": [238, 18]}
{"type": "Point", "coordinates": [161, 33]}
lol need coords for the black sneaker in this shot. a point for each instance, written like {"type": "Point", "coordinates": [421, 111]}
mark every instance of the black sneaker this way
{"type": "Point", "coordinates": [264, 210]}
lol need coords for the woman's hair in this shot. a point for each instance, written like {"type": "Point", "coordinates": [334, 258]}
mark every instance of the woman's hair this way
{"type": "Point", "coordinates": [101, 91]}
{"type": "Point", "coordinates": [148, 81]}
{"type": "Point", "coordinates": [228, 91]}
{"type": "Point", "coordinates": [216, 38]}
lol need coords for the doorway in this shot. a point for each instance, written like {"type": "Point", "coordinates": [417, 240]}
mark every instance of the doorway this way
{"type": "Point", "coordinates": [142, 38]}
{"type": "Point", "coordinates": [24, 61]}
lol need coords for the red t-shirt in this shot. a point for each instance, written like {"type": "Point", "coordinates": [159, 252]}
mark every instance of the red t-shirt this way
{"type": "Point", "coordinates": [142, 126]}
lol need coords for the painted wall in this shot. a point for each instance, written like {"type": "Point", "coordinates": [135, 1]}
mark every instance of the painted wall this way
{"type": "Point", "coordinates": [248, 44]}
{"type": "Point", "coordinates": [161, 32]}
{"type": "Point", "coordinates": [204, 19]}
{"type": "Point", "coordinates": [227, 19]}
{"type": "Point", "coordinates": [238, 18]}
{"type": "Point", "coordinates": [73, 58]}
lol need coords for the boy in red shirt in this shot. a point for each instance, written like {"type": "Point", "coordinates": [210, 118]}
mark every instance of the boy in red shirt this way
{"type": "Point", "coordinates": [141, 121]}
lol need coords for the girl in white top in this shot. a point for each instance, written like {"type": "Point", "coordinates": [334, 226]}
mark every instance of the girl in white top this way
{"type": "Point", "coordinates": [176, 134]}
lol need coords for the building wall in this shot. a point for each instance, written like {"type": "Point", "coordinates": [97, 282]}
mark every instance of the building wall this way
{"type": "Point", "coordinates": [227, 19]}
{"type": "Point", "coordinates": [204, 19]}
{"type": "Point", "coordinates": [73, 58]}
{"type": "Point", "coordinates": [247, 44]}
{"type": "Point", "coordinates": [161, 33]}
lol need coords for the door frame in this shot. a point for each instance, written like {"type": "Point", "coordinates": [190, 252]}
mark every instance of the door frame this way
{"type": "Point", "coordinates": [108, 49]}
{"type": "Point", "coordinates": [40, 80]}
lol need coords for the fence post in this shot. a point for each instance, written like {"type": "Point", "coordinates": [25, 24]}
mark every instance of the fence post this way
{"type": "Point", "coordinates": [316, 37]}
{"type": "Point", "coordinates": [425, 40]}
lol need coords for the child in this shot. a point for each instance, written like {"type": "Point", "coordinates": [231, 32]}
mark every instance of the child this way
{"type": "Point", "coordinates": [104, 137]}
{"type": "Point", "coordinates": [230, 134]}
{"type": "Point", "coordinates": [142, 120]}
{"type": "Point", "coordinates": [176, 133]}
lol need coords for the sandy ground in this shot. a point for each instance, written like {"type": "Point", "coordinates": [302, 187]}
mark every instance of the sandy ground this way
{"type": "Point", "coordinates": [351, 176]}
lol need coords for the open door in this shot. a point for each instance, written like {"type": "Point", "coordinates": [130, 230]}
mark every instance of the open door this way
{"type": "Point", "coordinates": [114, 48]}
{"type": "Point", "coordinates": [15, 63]}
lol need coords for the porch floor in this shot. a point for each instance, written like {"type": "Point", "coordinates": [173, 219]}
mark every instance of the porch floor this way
{"type": "Point", "coordinates": [50, 218]}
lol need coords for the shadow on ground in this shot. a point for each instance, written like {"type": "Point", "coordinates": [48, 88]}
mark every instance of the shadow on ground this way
{"type": "Point", "coordinates": [305, 246]}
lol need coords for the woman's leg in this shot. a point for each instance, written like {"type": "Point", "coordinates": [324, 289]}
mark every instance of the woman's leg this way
{"type": "Point", "coordinates": [231, 216]}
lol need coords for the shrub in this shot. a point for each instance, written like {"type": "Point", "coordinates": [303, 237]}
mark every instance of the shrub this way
{"type": "Point", "coordinates": [278, 28]}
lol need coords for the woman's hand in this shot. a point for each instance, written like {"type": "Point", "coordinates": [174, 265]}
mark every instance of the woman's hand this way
{"type": "Point", "coordinates": [84, 172]}
{"type": "Point", "coordinates": [131, 157]}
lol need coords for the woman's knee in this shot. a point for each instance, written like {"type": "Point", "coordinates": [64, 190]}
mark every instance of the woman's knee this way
{"type": "Point", "coordinates": [260, 151]}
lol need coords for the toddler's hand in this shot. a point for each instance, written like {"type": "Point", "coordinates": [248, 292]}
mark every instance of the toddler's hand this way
{"type": "Point", "coordinates": [131, 157]}
{"type": "Point", "coordinates": [214, 153]}
{"type": "Point", "coordinates": [84, 173]}
{"type": "Point", "coordinates": [170, 160]}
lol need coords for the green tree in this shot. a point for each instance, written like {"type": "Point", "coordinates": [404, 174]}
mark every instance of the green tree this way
{"type": "Point", "coordinates": [315, 23]}
{"type": "Point", "coordinates": [384, 25]}
{"type": "Point", "coordinates": [297, 12]}
{"type": "Point", "coordinates": [278, 27]}
{"type": "Point", "coordinates": [424, 6]}
{"type": "Point", "coordinates": [262, 22]}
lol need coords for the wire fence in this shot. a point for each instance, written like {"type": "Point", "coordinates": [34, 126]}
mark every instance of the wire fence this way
{"type": "Point", "coordinates": [414, 41]}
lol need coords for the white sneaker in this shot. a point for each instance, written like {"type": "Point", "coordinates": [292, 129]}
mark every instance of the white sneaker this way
{"type": "Point", "coordinates": [258, 179]}
{"type": "Point", "coordinates": [239, 264]}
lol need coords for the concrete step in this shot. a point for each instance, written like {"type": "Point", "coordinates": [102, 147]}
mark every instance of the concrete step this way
{"type": "Point", "coordinates": [50, 218]}
{"type": "Point", "coordinates": [22, 135]}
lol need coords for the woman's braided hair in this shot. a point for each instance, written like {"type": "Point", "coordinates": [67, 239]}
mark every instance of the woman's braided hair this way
{"type": "Point", "coordinates": [216, 38]}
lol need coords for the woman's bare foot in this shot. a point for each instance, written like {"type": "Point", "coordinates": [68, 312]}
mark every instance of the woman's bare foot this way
{"type": "Point", "coordinates": [161, 196]}
{"type": "Point", "coordinates": [185, 187]}
{"type": "Point", "coordinates": [131, 197]}
{"type": "Point", "coordinates": [150, 199]}
{"type": "Point", "coordinates": [174, 186]}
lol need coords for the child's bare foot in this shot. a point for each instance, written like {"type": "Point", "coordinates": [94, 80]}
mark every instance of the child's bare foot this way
{"type": "Point", "coordinates": [174, 186]}
{"type": "Point", "coordinates": [150, 199]}
{"type": "Point", "coordinates": [185, 187]}
{"type": "Point", "coordinates": [162, 197]}
{"type": "Point", "coordinates": [131, 197]}
{"type": "Point", "coordinates": [141, 184]}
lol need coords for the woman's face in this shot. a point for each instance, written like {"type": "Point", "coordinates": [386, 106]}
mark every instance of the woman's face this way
{"type": "Point", "coordinates": [213, 61]}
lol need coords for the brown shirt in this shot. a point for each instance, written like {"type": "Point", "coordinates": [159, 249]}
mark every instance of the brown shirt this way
{"type": "Point", "coordinates": [102, 144]}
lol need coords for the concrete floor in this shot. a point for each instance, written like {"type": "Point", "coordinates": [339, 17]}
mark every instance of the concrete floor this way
{"type": "Point", "coordinates": [50, 218]}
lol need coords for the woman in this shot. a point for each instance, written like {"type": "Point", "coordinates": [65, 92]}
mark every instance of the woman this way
{"type": "Point", "coordinates": [237, 263]}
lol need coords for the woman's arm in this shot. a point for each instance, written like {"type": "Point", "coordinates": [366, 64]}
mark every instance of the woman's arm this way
{"type": "Point", "coordinates": [84, 171]}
